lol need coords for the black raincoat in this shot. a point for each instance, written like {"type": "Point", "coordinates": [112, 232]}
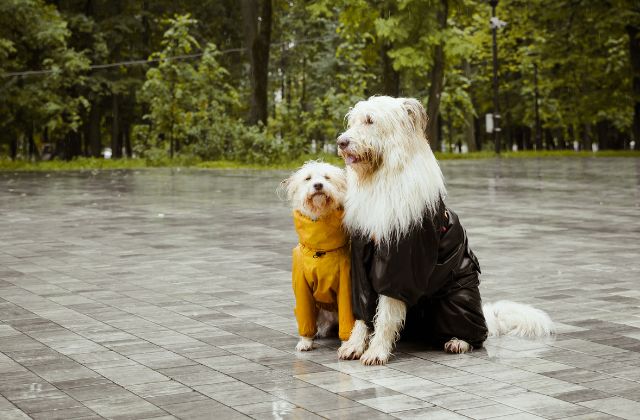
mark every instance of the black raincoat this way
{"type": "Point", "coordinates": [431, 269]}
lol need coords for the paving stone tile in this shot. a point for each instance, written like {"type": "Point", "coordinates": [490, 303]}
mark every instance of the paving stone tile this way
{"type": "Point", "coordinates": [235, 393]}
{"type": "Point", "coordinates": [313, 398]}
{"type": "Point", "coordinates": [203, 410]}
{"type": "Point", "coordinates": [35, 405]}
{"type": "Point", "coordinates": [488, 411]}
{"type": "Point", "coordinates": [615, 406]}
{"type": "Point", "coordinates": [335, 381]}
{"type": "Point", "coordinates": [154, 389]}
{"type": "Point", "coordinates": [542, 405]}
{"type": "Point", "coordinates": [276, 406]}
{"type": "Point", "coordinates": [125, 407]}
{"type": "Point", "coordinates": [431, 413]}
{"type": "Point", "coordinates": [287, 414]}
{"type": "Point", "coordinates": [582, 395]}
{"type": "Point", "coordinates": [131, 375]}
{"type": "Point", "coordinates": [13, 414]}
{"type": "Point", "coordinates": [66, 414]}
{"type": "Point", "coordinates": [196, 375]}
{"type": "Point", "coordinates": [96, 392]}
{"type": "Point", "coordinates": [231, 364]}
{"type": "Point", "coordinates": [355, 413]}
{"type": "Point", "coordinates": [393, 403]}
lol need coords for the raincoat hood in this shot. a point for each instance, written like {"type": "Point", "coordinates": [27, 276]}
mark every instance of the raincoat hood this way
{"type": "Point", "coordinates": [324, 234]}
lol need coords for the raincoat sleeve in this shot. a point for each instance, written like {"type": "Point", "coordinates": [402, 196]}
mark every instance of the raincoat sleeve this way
{"type": "Point", "coordinates": [305, 309]}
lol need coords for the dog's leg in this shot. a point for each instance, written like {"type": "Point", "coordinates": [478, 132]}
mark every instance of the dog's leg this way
{"type": "Point", "coordinates": [389, 320]}
{"type": "Point", "coordinates": [305, 344]}
{"type": "Point", "coordinates": [326, 323]}
{"type": "Point", "coordinates": [457, 346]}
{"type": "Point", "coordinates": [357, 342]}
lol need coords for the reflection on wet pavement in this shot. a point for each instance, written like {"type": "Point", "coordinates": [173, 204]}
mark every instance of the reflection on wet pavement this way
{"type": "Point", "coordinates": [151, 293]}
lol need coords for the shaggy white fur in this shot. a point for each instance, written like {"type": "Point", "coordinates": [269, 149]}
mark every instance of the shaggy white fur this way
{"type": "Point", "coordinates": [392, 173]}
{"type": "Point", "coordinates": [305, 344]}
{"type": "Point", "coordinates": [302, 193]}
{"type": "Point", "coordinates": [393, 180]}
{"type": "Point", "coordinates": [355, 346]}
{"type": "Point", "coordinates": [316, 189]}
{"type": "Point", "coordinates": [387, 324]}
{"type": "Point", "coordinates": [511, 318]}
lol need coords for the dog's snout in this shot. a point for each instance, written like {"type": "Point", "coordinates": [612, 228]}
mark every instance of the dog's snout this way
{"type": "Point", "coordinates": [343, 141]}
{"type": "Point", "coordinates": [318, 186]}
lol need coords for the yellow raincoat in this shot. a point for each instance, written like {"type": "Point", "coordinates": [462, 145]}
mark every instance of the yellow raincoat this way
{"type": "Point", "coordinates": [321, 273]}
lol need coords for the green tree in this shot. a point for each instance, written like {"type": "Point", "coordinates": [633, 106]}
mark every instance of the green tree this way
{"type": "Point", "coordinates": [47, 106]}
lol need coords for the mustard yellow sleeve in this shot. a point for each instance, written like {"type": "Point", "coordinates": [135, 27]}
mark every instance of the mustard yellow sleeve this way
{"type": "Point", "coordinates": [346, 319]}
{"type": "Point", "coordinates": [305, 309]}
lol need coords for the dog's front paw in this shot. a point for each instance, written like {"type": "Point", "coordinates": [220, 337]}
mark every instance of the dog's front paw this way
{"type": "Point", "coordinates": [457, 346]}
{"type": "Point", "coordinates": [305, 344]}
{"type": "Point", "coordinates": [375, 355]}
{"type": "Point", "coordinates": [351, 350]}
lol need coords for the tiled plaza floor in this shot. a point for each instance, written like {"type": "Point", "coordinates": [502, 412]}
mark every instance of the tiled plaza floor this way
{"type": "Point", "coordinates": [166, 294]}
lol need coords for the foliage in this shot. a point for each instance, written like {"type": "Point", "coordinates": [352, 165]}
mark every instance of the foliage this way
{"type": "Point", "coordinates": [34, 35]}
{"type": "Point", "coordinates": [325, 56]}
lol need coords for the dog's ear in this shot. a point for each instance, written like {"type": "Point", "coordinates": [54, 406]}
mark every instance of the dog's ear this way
{"type": "Point", "coordinates": [286, 189]}
{"type": "Point", "coordinates": [340, 180]}
{"type": "Point", "coordinates": [416, 112]}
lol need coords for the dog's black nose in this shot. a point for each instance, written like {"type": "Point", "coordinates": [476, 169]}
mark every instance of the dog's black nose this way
{"type": "Point", "coordinates": [317, 186]}
{"type": "Point", "coordinates": [343, 141]}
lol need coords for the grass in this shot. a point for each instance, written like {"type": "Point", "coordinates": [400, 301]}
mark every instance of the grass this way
{"type": "Point", "coordinates": [107, 164]}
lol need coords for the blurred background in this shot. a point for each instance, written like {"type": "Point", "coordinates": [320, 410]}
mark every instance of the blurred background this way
{"type": "Point", "coordinates": [267, 81]}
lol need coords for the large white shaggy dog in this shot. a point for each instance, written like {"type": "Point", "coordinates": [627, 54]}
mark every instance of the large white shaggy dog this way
{"type": "Point", "coordinates": [410, 255]}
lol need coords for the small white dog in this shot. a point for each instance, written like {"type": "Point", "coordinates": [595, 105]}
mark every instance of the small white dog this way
{"type": "Point", "coordinates": [321, 261]}
{"type": "Point", "coordinates": [411, 258]}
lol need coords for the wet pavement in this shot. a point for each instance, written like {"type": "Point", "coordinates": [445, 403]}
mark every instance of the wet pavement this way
{"type": "Point", "coordinates": [166, 294]}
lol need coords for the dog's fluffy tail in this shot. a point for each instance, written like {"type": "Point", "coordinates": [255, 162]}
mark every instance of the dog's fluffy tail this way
{"type": "Point", "coordinates": [511, 318]}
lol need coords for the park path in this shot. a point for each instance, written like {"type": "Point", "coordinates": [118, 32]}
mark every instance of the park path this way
{"type": "Point", "coordinates": [166, 294]}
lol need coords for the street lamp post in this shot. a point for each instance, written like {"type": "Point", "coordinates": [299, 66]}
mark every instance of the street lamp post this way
{"type": "Point", "coordinates": [496, 105]}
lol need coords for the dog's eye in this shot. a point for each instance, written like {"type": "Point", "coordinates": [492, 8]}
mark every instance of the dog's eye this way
{"type": "Point", "coordinates": [368, 120]}
{"type": "Point", "coordinates": [326, 177]}
{"type": "Point", "coordinates": [308, 178]}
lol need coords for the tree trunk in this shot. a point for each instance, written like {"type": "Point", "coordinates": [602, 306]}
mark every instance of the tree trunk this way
{"type": "Point", "coordinates": [92, 130]}
{"type": "Point", "coordinates": [585, 142]}
{"type": "Point", "coordinates": [437, 80]}
{"type": "Point", "coordinates": [146, 28]}
{"type": "Point", "coordinates": [602, 129]}
{"type": "Point", "coordinates": [390, 77]}
{"type": "Point", "coordinates": [257, 37]}
{"type": "Point", "coordinates": [31, 146]}
{"type": "Point", "coordinates": [634, 52]}
{"type": "Point", "coordinates": [126, 140]}
{"type": "Point", "coordinates": [13, 147]}
{"type": "Point", "coordinates": [469, 128]}
{"type": "Point", "coordinates": [303, 88]}
{"type": "Point", "coordinates": [116, 145]}
{"type": "Point", "coordinates": [74, 145]}
{"type": "Point", "coordinates": [479, 133]}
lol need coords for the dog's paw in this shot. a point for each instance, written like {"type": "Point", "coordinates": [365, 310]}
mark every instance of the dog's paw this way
{"type": "Point", "coordinates": [373, 357]}
{"type": "Point", "coordinates": [457, 346]}
{"type": "Point", "coordinates": [350, 350]}
{"type": "Point", "coordinates": [305, 344]}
